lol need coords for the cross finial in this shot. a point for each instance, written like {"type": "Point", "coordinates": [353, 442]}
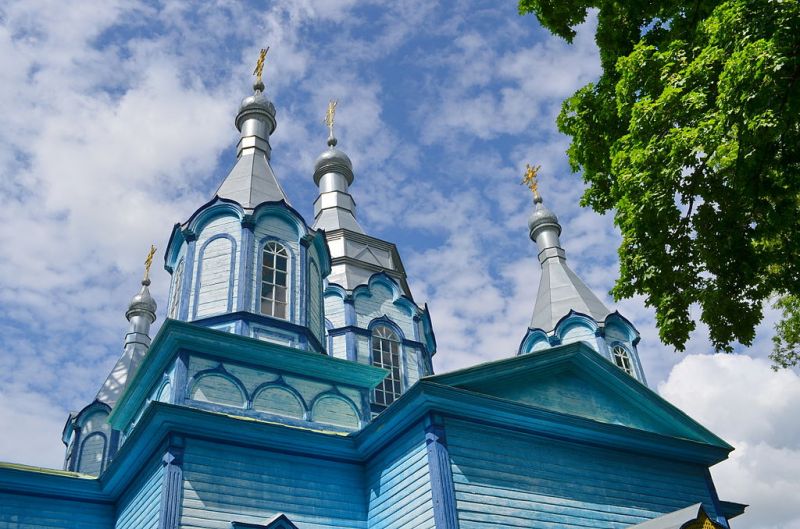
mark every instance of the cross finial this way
{"type": "Point", "coordinates": [148, 262]}
{"type": "Point", "coordinates": [260, 64]}
{"type": "Point", "coordinates": [529, 180]}
{"type": "Point", "coordinates": [329, 117]}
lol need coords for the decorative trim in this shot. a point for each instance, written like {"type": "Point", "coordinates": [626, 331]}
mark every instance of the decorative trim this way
{"type": "Point", "coordinates": [350, 321]}
{"type": "Point", "coordinates": [188, 275]}
{"type": "Point", "coordinates": [245, 293]}
{"type": "Point", "coordinates": [445, 514]}
{"type": "Point", "coordinates": [169, 516]}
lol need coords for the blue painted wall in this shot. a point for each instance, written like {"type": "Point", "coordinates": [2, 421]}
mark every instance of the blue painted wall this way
{"type": "Point", "coordinates": [398, 484]}
{"type": "Point", "coordinates": [224, 483]}
{"type": "Point", "coordinates": [37, 512]}
{"type": "Point", "coordinates": [139, 506]}
{"type": "Point", "coordinates": [511, 479]}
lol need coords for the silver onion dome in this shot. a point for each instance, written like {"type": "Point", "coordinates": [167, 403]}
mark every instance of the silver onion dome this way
{"type": "Point", "coordinates": [257, 106]}
{"type": "Point", "coordinates": [542, 218]}
{"type": "Point", "coordinates": [333, 161]}
{"type": "Point", "coordinates": [142, 303]}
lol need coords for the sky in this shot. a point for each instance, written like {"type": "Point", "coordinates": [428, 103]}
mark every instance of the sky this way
{"type": "Point", "coordinates": [116, 121]}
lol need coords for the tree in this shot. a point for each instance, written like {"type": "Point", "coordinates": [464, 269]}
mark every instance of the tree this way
{"type": "Point", "coordinates": [691, 136]}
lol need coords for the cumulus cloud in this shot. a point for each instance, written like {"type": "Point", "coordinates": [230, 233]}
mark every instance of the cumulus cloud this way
{"type": "Point", "coordinates": [755, 409]}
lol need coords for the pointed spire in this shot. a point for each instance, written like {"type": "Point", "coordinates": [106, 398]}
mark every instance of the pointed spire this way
{"type": "Point", "coordinates": [252, 181]}
{"type": "Point", "coordinates": [560, 289]}
{"type": "Point", "coordinates": [141, 314]}
{"type": "Point", "coordinates": [333, 174]}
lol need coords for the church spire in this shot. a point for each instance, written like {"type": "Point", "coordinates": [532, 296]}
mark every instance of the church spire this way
{"type": "Point", "coordinates": [560, 289]}
{"type": "Point", "coordinates": [252, 181]}
{"type": "Point", "coordinates": [333, 173]}
{"type": "Point", "coordinates": [141, 314]}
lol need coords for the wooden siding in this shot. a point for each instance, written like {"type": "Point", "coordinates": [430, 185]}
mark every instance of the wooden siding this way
{"type": "Point", "coordinates": [506, 479]}
{"type": "Point", "coordinates": [224, 483]}
{"type": "Point", "coordinates": [379, 303]}
{"type": "Point", "coordinates": [334, 310]}
{"type": "Point", "coordinates": [316, 317]}
{"type": "Point", "coordinates": [215, 278]}
{"type": "Point", "coordinates": [223, 225]}
{"type": "Point", "coordinates": [139, 506]}
{"type": "Point", "coordinates": [398, 485]}
{"type": "Point", "coordinates": [18, 511]}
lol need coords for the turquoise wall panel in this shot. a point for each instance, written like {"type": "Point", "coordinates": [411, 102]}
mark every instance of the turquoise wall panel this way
{"type": "Point", "coordinates": [507, 479]}
{"type": "Point", "coordinates": [139, 506]}
{"type": "Point", "coordinates": [398, 485]}
{"type": "Point", "coordinates": [36, 512]}
{"type": "Point", "coordinates": [224, 483]}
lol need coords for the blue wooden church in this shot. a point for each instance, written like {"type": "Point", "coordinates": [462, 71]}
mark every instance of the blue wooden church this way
{"type": "Point", "coordinates": [292, 387]}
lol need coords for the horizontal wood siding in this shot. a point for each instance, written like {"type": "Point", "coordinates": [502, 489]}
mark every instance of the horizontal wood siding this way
{"type": "Point", "coordinates": [506, 479]}
{"type": "Point", "coordinates": [215, 267]}
{"type": "Point", "coordinates": [398, 484]}
{"type": "Point", "coordinates": [18, 511]}
{"type": "Point", "coordinates": [224, 483]}
{"type": "Point", "coordinates": [139, 507]}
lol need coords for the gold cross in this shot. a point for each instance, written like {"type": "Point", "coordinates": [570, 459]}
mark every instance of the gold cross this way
{"type": "Point", "coordinates": [149, 261]}
{"type": "Point", "coordinates": [260, 64]}
{"type": "Point", "coordinates": [330, 114]}
{"type": "Point", "coordinates": [529, 180]}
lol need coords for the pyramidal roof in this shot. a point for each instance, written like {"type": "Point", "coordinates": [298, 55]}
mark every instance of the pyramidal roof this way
{"type": "Point", "coordinates": [252, 180]}
{"type": "Point", "coordinates": [560, 289]}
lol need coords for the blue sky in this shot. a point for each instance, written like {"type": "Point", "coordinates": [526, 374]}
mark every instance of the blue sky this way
{"type": "Point", "coordinates": [116, 121]}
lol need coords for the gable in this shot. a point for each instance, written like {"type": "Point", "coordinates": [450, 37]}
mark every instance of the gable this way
{"type": "Point", "coordinates": [279, 521]}
{"type": "Point", "coordinates": [574, 380]}
{"type": "Point", "coordinates": [574, 393]}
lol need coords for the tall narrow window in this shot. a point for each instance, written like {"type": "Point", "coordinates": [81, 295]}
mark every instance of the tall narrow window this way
{"type": "Point", "coordinates": [622, 359]}
{"type": "Point", "coordinates": [386, 354]}
{"type": "Point", "coordinates": [177, 284]}
{"type": "Point", "coordinates": [275, 281]}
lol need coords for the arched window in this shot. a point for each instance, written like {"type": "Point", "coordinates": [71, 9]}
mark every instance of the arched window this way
{"type": "Point", "coordinates": [622, 359]}
{"type": "Point", "coordinates": [386, 354]}
{"type": "Point", "coordinates": [176, 291]}
{"type": "Point", "coordinates": [275, 281]}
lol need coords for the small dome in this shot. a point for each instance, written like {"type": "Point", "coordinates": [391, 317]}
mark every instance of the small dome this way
{"type": "Point", "coordinates": [333, 161]}
{"type": "Point", "coordinates": [542, 217]}
{"type": "Point", "coordinates": [256, 105]}
{"type": "Point", "coordinates": [143, 301]}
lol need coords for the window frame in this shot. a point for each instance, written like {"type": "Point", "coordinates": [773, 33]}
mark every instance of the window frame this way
{"type": "Point", "coordinates": [618, 351]}
{"type": "Point", "coordinates": [396, 382]}
{"type": "Point", "coordinates": [287, 254]}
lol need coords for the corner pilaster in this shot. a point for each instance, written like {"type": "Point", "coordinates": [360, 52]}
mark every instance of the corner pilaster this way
{"type": "Point", "coordinates": [445, 515]}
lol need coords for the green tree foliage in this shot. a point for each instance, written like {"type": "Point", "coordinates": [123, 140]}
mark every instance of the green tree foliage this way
{"type": "Point", "coordinates": [692, 136]}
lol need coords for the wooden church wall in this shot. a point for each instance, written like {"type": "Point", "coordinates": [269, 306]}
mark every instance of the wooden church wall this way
{"type": "Point", "coordinates": [139, 506]}
{"type": "Point", "coordinates": [225, 483]}
{"type": "Point", "coordinates": [525, 481]}
{"type": "Point", "coordinates": [37, 512]}
{"type": "Point", "coordinates": [398, 485]}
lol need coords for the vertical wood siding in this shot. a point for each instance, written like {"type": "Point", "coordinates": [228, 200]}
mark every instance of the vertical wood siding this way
{"type": "Point", "coordinates": [505, 479]}
{"type": "Point", "coordinates": [139, 507]}
{"type": "Point", "coordinates": [215, 278]}
{"type": "Point", "coordinates": [398, 484]}
{"type": "Point", "coordinates": [223, 225]}
{"type": "Point", "coordinates": [227, 483]}
{"type": "Point", "coordinates": [34, 512]}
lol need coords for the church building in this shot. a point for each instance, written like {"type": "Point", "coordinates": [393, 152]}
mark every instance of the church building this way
{"type": "Point", "coordinates": [291, 386]}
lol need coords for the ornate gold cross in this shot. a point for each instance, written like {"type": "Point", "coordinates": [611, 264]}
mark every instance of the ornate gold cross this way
{"type": "Point", "coordinates": [529, 180]}
{"type": "Point", "coordinates": [260, 64]}
{"type": "Point", "coordinates": [330, 115]}
{"type": "Point", "coordinates": [149, 261]}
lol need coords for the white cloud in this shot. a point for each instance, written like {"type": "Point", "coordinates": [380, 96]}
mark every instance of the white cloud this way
{"type": "Point", "coordinates": [756, 410]}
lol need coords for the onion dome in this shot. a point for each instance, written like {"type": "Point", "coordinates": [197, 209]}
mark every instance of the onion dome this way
{"type": "Point", "coordinates": [142, 304]}
{"type": "Point", "coordinates": [258, 107]}
{"type": "Point", "coordinates": [333, 160]}
{"type": "Point", "coordinates": [542, 218]}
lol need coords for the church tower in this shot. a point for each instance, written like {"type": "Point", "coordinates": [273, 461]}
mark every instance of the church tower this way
{"type": "Point", "coordinates": [566, 310]}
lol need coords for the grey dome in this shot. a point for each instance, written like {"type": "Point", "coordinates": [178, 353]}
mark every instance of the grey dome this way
{"type": "Point", "coordinates": [541, 217]}
{"type": "Point", "coordinates": [333, 161]}
{"type": "Point", "coordinates": [256, 106]}
{"type": "Point", "coordinates": [142, 302]}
